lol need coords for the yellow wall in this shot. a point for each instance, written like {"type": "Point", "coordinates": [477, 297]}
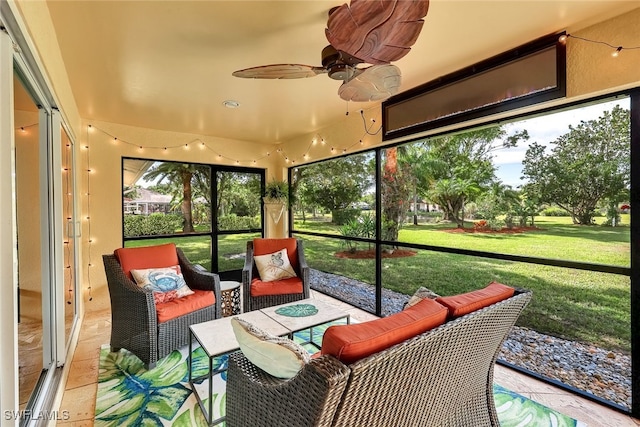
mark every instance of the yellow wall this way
{"type": "Point", "coordinates": [590, 67]}
{"type": "Point", "coordinates": [104, 157]}
{"type": "Point", "coordinates": [41, 30]}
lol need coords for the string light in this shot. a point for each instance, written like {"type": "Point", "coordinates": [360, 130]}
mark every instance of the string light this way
{"type": "Point", "coordinates": [23, 129]}
{"type": "Point", "coordinates": [88, 195]}
{"type": "Point", "coordinates": [305, 156]}
{"type": "Point", "coordinates": [617, 49]}
{"type": "Point", "coordinates": [67, 207]}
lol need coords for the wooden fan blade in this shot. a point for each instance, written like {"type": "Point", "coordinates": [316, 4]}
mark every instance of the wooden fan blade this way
{"type": "Point", "coordinates": [373, 84]}
{"type": "Point", "coordinates": [377, 32]}
{"type": "Point", "coordinates": [280, 71]}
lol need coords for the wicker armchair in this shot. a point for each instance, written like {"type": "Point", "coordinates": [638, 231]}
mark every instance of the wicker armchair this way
{"type": "Point", "coordinates": [250, 273]}
{"type": "Point", "coordinates": [134, 321]}
{"type": "Point", "coordinates": [443, 377]}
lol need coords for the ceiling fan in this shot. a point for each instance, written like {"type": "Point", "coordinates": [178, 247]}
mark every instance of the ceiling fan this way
{"type": "Point", "coordinates": [372, 32]}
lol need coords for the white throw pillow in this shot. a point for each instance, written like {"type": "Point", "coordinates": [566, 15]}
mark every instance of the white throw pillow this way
{"type": "Point", "coordinates": [166, 283]}
{"type": "Point", "coordinates": [277, 356]}
{"type": "Point", "coordinates": [274, 266]}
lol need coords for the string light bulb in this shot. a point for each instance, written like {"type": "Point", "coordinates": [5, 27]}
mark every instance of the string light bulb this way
{"type": "Point", "coordinates": [617, 49]}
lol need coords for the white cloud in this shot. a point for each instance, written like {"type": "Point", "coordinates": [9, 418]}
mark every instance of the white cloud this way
{"type": "Point", "coordinates": [544, 130]}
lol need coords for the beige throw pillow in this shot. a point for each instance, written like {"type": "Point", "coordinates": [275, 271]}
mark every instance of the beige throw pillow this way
{"type": "Point", "coordinates": [419, 295]}
{"type": "Point", "coordinates": [277, 356]}
{"type": "Point", "coordinates": [166, 283]}
{"type": "Point", "coordinates": [274, 266]}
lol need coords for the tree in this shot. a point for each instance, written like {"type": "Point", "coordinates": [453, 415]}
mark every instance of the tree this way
{"type": "Point", "coordinates": [181, 174]}
{"type": "Point", "coordinates": [398, 184]}
{"type": "Point", "coordinates": [334, 185]}
{"type": "Point", "coordinates": [238, 193]}
{"type": "Point", "coordinates": [588, 164]}
{"type": "Point", "coordinates": [458, 168]}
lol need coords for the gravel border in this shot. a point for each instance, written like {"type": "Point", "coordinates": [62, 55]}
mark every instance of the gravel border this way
{"type": "Point", "coordinates": [597, 371]}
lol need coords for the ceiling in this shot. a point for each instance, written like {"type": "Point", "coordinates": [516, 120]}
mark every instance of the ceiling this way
{"type": "Point", "coordinates": [167, 64]}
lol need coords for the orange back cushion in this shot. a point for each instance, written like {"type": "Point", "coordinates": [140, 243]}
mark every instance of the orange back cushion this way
{"type": "Point", "coordinates": [350, 343]}
{"type": "Point", "coordinates": [462, 304]}
{"type": "Point", "coordinates": [144, 257]}
{"type": "Point", "coordinates": [269, 246]}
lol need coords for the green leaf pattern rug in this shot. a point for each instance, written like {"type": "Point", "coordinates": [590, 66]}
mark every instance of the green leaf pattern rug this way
{"type": "Point", "coordinates": [129, 395]}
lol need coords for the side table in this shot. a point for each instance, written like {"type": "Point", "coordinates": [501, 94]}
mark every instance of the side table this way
{"type": "Point", "coordinates": [230, 292]}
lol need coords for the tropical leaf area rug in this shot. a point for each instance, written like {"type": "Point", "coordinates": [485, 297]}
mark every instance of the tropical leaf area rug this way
{"type": "Point", "coordinates": [129, 395]}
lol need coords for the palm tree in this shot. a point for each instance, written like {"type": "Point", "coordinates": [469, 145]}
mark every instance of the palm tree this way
{"type": "Point", "coordinates": [181, 174]}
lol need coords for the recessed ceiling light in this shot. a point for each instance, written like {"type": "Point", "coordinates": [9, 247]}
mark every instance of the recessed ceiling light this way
{"type": "Point", "coordinates": [229, 103]}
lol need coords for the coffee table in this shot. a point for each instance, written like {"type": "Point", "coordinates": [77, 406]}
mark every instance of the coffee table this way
{"type": "Point", "coordinates": [216, 338]}
{"type": "Point", "coordinates": [326, 313]}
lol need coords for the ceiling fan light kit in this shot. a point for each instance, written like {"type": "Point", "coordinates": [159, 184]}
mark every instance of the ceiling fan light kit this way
{"type": "Point", "coordinates": [364, 32]}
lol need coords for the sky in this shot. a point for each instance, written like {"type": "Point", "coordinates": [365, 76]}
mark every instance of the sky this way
{"type": "Point", "coordinates": [543, 130]}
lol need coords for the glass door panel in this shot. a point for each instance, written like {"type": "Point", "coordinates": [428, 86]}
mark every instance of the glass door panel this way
{"type": "Point", "coordinates": [69, 234]}
{"type": "Point", "coordinates": [30, 241]}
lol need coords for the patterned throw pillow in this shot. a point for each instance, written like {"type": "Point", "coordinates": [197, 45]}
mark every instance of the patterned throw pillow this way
{"type": "Point", "coordinates": [274, 266]}
{"type": "Point", "coordinates": [277, 356]}
{"type": "Point", "coordinates": [419, 295]}
{"type": "Point", "coordinates": [166, 283]}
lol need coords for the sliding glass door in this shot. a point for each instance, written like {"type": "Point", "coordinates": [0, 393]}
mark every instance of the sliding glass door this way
{"type": "Point", "coordinates": [47, 244]}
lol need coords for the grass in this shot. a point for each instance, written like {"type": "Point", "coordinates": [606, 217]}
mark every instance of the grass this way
{"type": "Point", "coordinates": [578, 305]}
{"type": "Point", "coordinates": [198, 249]}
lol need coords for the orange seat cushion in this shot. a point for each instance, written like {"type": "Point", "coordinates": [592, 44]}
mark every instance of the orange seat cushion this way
{"type": "Point", "coordinates": [145, 257]}
{"type": "Point", "coordinates": [269, 246]}
{"type": "Point", "coordinates": [292, 285]}
{"type": "Point", "coordinates": [184, 305]}
{"type": "Point", "coordinates": [462, 304]}
{"type": "Point", "coordinates": [350, 343]}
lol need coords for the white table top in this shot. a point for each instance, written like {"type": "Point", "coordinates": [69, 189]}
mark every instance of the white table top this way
{"type": "Point", "coordinates": [217, 337]}
{"type": "Point", "coordinates": [227, 285]}
{"type": "Point", "coordinates": [326, 313]}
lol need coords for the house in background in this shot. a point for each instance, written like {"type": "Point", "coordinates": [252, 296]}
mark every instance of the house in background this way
{"type": "Point", "coordinates": [84, 84]}
{"type": "Point", "coordinates": [146, 202]}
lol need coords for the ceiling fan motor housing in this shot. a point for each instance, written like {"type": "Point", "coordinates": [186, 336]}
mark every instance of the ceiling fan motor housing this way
{"type": "Point", "coordinates": [340, 65]}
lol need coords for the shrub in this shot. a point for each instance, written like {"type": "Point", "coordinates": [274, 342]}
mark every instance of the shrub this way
{"type": "Point", "coordinates": [495, 224]}
{"type": "Point", "coordinates": [149, 225]}
{"type": "Point", "coordinates": [480, 225]}
{"type": "Point", "coordinates": [553, 211]}
{"type": "Point", "coordinates": [364, 226]}
{"type": "Point", "coordinates": [350, 229]}
{"type": "Point", "coordinates": [343, 216]}
{"type": "Point", "coordinates": [235, 222]}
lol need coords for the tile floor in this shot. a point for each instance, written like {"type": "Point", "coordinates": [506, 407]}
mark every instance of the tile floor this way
{"type": "Point", "coordinates": [80, 391]}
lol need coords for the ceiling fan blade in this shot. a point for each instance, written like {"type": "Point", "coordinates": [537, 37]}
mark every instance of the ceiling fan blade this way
{"type": "Point", "coordinates": [373, 84]}
{"type": "Point", "coordinates": [280, 71]}
{"type": "Point", "coordinates": [377, 32]}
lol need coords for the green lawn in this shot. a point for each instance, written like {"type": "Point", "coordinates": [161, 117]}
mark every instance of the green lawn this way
{"type": "Point", "coordinates": [578, 305]}
{"type": "Point", "coordinates": [198, 249]}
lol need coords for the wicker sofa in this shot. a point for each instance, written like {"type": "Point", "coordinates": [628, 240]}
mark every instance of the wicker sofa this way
{"type": "Point", "coordinates": [443, 377]}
